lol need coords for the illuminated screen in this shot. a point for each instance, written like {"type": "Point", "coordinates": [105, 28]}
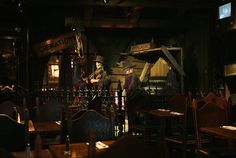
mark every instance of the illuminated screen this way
{"type": "Point", "coordinates": [225, 11]}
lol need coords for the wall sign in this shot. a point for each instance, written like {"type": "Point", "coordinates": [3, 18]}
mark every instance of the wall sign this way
{"type": "Point", "coordinates": [141, 47]}
{"type": "Point", "coordinates": [53, 45]}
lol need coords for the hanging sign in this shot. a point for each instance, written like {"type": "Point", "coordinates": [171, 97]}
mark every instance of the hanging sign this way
{"type": "Point", "coordinates": [53, 45]}
{"type": "Point", "coordinates": [141, 47]}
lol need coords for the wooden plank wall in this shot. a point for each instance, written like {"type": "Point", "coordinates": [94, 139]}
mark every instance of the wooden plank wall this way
{"type": "Point", "coordinates": [118, 72]}
{"type": "Point", "coordinates": [158, 69]}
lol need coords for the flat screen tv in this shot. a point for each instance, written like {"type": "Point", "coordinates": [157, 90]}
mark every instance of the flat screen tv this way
{"type": "Point", "coordinates": [226, 15]}
{"type": "Point", "coordinates": [225, 10]}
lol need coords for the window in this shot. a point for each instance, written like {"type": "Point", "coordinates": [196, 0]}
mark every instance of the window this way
{"type": "Point", "coordinates": [53, 72]}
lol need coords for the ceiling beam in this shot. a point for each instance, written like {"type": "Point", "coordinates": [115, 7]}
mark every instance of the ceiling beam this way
{"type": "Point", "coordinates": [126, 24]}
{"type": "Point", "coordinates": [191, 4]}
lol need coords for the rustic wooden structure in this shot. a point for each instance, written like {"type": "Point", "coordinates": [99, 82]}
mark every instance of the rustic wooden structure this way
{"type": "Point", "coordinates": [173, 56]}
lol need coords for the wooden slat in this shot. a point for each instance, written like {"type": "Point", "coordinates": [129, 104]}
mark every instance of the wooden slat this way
{"type": "Point", "coordinates": [160, 68]}
{"type": "Point", "coordinates": [117, 71]}
{"type": "Point", "coordinates": [117, 77]}
{"type": "Point", "coordinates": [172, 60]}
{"type": "Point", "coordinates": [144, 71]}
{"type": "Point", "coordinates": [121, 71]}
{"type": "Point", "coordinates": [230, 70]}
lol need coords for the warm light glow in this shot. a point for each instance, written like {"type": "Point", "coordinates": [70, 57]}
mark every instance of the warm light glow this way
{"type": "Point", "coordinates": [55, 70]}
{"type": "Point", "coordinates": [105, 1]}
{"type": "Point", "coordinates": [48, 42]}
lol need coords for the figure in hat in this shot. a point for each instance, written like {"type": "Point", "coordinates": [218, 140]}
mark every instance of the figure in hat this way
{"type": "Point", "coordinates": [132, 81]}
{"type": "Point", "coordinates": [98, 78]}
{"type": "Point", "coordinates": [136, 97]}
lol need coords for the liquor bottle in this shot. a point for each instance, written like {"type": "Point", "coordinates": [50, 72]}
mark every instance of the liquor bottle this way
{"type": "Point", "coordinates": [92, 145]}
{"type": "Point", "coordinates": [67, 145]}
{"type": "Point", "coordinates": [27, 151]}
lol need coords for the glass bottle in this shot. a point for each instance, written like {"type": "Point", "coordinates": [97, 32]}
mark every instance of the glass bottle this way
{"type": "Point", "coordinates": [92, 145]}
{"type": "Point", "coordinates": [67, 145]}
{"type": "Point", "coordinates": [27, 151]}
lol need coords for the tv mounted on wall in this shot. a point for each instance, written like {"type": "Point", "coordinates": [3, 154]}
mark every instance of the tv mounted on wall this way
{"type": "Point", "coordinates": [226, 14]}
{"type": "Point", "coordinates": [225, 10]}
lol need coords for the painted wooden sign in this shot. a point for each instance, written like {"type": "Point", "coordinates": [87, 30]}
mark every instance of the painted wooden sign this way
{"type": "Point", "coordinates": [141, 47]}
{"type": "Point", "coordinates": [56, 44]}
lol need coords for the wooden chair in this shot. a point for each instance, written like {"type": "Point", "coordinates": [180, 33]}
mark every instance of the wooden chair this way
{"type": "Point", "coordinates": [49, 112]}
{"type": "Point", "coordinates": [145, 127]}
{"type": "Point", "coordinates": [208, 115]}
{"type": "Point", "coordinates": [78, 114]}
{"type": "Point", "coordinates": [139, 123]}
{"type": "Point", "coordinates": [12, 134]}
{"type": "Point", "coordinates": [16, 96]}
{"type": "Point", "coordinates": [11, 109]}
{"type": "Point", "coordinates": [180, 136]}
{"type": "Point", "coordinates": [218, 100]}
{"type": "Point", "coordinates": [91, 121]}
{"type": "Point", "coordinates": [231, 112]}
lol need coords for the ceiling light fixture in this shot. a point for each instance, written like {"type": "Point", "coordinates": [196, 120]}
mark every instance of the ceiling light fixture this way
{"type": "Point", "coordinates": [105, 1]}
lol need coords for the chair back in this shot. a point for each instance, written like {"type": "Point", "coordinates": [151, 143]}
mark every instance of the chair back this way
{"type": "Point", "coordinates": [180, 136]}
{"type": "Point", "coordinates": [208, 115]}
{"type": "Point", "coordinates": [11, 109]}
{"type": "Point", "coordinates": [177, 103]}
{"type": "Point", "coordinates": [211, 114]}
{"type": "Point", "coordinates": [78, 114]}
{"type": "Point", "coordinates": [91, 121]}
{"type": "Point", "coordinates": [218, 100]}
{"type": "Point", "coordinates": [12, 134]}
{"type": "Point", "coordinates": [231, 111]}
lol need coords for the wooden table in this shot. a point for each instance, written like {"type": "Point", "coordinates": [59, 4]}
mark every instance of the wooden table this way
{"type": "Point", "coordinates": [45, 153]}
{"type": "Point", "coordinates": [163, 116]}
{"type": "Point", "coordinates": [78, 150]}
{"type": "Point", "coordinates": [219, 132]}
{"type": "Point", "coordinates": [45, 127]}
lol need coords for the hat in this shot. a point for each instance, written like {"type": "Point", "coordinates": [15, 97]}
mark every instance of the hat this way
{"type": "Point", "coordinates": [128, 64]}
{"type": "Point", "coordinates": [99, 59]}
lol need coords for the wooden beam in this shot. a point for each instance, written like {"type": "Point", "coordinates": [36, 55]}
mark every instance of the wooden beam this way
{"type": "Point", "coordinates": [130, 3]}
{"type": "Point", "coordinates": [142, 23]}
{"type": "Point", "coordinates": [172, 60]}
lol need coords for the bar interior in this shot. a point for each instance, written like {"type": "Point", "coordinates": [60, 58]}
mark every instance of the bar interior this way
{"type": "Point", "coordinates": [117, 78]}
